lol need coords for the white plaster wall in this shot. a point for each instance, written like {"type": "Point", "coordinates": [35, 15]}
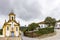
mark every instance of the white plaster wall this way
{"type": "Point", "coordinates": [57, 25]}
{"type": "Point", "coordinates": [1, 35]}
{"type": "Point", "coordinates": [17, 33]}
{"type": "Point", "coordinates": [42, 25]}
{"type": "Point", "coordinates": [7, 33]}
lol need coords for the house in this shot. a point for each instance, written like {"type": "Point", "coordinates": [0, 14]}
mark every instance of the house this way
{"type": "Point", "coordinates": [57, 24]}
{"type": "Point", "coordinates": [11, 27]}
{"type": "Point", "coordinates": [43, 24]}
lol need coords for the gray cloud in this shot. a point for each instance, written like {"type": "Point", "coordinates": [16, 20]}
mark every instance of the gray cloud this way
{"type": "Point", "coordinates": [25, 9]}
{"type": "Point", "coordinates": [28, 10]}
{"type": "Point", "coordinates": [55, 13]}
{"type": "Point", "coordinates": [4, 7]}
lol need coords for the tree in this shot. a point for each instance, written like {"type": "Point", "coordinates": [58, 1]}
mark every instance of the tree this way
{"type": "Point", "coordinates": [32, 26]}
{"type": "Point", "coordinates": [50, 20]}
{"type": "Point", "coordinates": [53, 21]}
{"type": "Point", "coordinates": [1, 31]}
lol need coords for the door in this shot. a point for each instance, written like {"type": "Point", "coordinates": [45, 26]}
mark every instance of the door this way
{"type": "Point", "coordinates": [12, 34]}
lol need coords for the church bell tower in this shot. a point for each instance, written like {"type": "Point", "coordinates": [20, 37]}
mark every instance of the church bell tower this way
{"type": "Point", "coordinates": [11, 16]}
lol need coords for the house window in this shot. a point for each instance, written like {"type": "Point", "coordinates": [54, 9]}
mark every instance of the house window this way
{"type": "Point", "coordinates": [7, 28]}
{"type": "Point", "coordinates": [16, 28]}
{"type": "Point", "coordinates": [41, 26]}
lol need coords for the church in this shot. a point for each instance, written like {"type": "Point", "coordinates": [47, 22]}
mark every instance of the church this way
{"type": "Point", "coordinates": [11, 27]}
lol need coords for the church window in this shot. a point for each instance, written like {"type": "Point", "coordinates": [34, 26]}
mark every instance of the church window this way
{"type": "Point", "coordinates": [12, 18]}
{"type": "Point", "coordinates": [7, 28]}
{"type": "Point", "coordinates": [16, 28]}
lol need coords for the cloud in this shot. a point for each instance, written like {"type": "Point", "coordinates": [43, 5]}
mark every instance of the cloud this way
{"type": "Point", "coordinates": [4, 7]}
{"type": "Point", "coordinates": [35, 9]}
{"type": "Point", "coordinates": [28, 11]}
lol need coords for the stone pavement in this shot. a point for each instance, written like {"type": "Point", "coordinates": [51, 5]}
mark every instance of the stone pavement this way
{"type": "Point", "coordinates": [10, 38]}
{"type": "Point", "coordinates": [55, 37]}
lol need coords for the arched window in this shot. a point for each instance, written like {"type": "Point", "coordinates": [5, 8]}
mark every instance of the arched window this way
{"type": "Point", "coordinates": [16, 28]}
{"type": "Point", "coordinates": [7, 28]}
{"type": "Point", "coordinates": [12, 18]}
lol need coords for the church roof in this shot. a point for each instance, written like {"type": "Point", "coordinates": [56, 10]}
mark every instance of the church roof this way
{"type": "Point", "coordinates": [58, 21]}
{"type": "Point", "coordinates": [7, 23]}
{"type": "Point", "coordinates": [43, 22]}
{"type": "Point", "coordinates": [11, 14]}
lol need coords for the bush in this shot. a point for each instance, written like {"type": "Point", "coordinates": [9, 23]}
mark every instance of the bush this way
{"type": "Point", "coordinates": [1, 31]}
{"type": "Point", "coordinates": [45, 31]}
{"type": "Point", "coordinates": [39, 32]}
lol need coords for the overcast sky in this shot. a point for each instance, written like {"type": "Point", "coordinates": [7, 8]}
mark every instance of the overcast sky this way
{"type": "Point", "coordinates": [28, 11]}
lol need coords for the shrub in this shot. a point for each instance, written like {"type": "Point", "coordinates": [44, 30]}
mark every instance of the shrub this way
{"type": "Point", "coordinates": [39, 32]}
{"type": "Point", "coordinates": [46, 30]}
{"type": "Point", "coordinates": [1, 31]}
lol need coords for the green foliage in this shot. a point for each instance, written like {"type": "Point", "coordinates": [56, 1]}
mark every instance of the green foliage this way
{"type": "Point", "coordinates": [1, 31]}
{"type": "Point", "coordinates": [45, 31]}
{"type": "Point", "coordinates": [32, 26]}
{"type": "Point", "coordinates": [23, 28]}
{"type": "Point", "coordinates": [50, 20]}
{"type": "Point", "coordinates": [40, 32]}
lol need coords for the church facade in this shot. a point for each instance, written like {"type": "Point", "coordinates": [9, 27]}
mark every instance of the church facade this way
{"type": "Point", "coordinates": [11, 27]}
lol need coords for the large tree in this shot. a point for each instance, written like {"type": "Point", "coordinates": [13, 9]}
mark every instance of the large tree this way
{"type": "Point", "coordinates": [32, 26]}
{"type": "Point", "coordinates": [50, 20]}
